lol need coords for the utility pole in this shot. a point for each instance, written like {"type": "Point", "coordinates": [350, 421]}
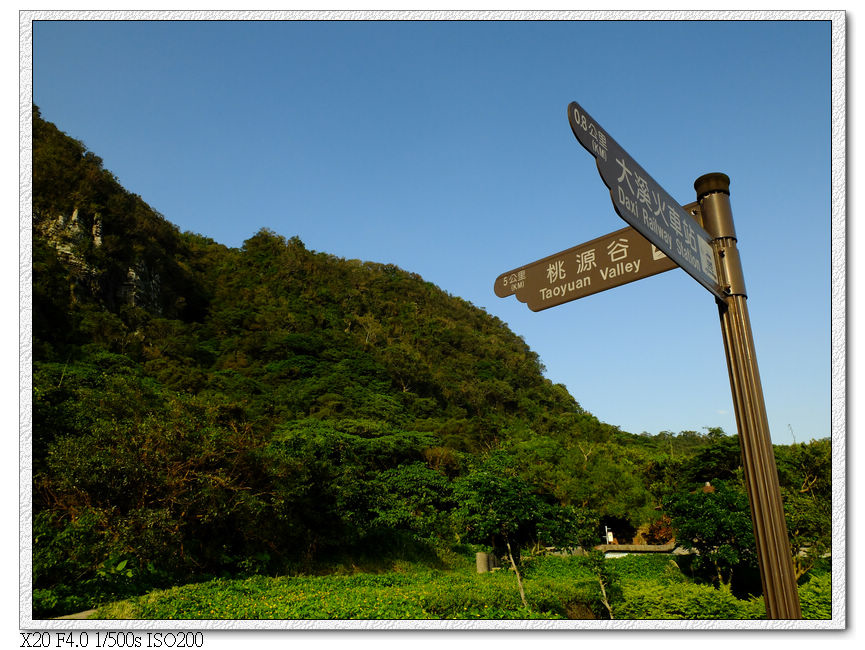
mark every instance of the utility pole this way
{"type": "Point", "coordinates": [780, 592]}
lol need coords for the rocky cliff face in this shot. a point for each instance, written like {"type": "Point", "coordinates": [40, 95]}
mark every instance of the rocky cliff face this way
{"type": "Point", "coordinates": [71, 236]}
{"type": "Point", "coordinates": [142, 288]}
{"type": "Point", "coordinates": [67, 234]}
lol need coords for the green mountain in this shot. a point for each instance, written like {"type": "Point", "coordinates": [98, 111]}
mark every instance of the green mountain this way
{"type": "Point", "coordinates": [197, 406]}
{"type": "Point", "coordinates": [286, 332]}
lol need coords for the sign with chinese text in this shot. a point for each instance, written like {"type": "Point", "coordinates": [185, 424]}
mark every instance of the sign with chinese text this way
{"type": "Point", "coordinates": [645, 205]}
{"type": "Point", "coordinates": [603, 263]}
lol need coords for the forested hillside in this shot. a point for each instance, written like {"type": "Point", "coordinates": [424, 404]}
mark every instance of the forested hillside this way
{"type": "Point", "coordinates": [201, 411]}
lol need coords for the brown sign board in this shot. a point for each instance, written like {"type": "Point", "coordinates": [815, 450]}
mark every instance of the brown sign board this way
{"type": "Point", "coordinates": [603, 263]}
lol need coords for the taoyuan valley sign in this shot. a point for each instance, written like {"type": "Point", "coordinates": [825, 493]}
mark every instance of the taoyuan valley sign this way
{"type": "Point", "coordinates": [701, 239]}
{"type": "Point", "coordinates": [603, 263]}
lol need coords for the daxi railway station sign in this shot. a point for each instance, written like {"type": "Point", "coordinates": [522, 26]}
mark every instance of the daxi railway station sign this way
{"type": "Point", "coordinates": [645, 205]}
{"type": "Point", "coordinates": [699, 237]}
{"type": "Point", "coordinates": [603, 263]}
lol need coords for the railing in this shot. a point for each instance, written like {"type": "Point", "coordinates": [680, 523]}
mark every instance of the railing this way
{"type": "Point", "coordinates": [637, 548]}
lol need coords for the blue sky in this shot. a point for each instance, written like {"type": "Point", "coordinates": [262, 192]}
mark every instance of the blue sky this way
{"type": "Point", "coordinates": [444, 148]}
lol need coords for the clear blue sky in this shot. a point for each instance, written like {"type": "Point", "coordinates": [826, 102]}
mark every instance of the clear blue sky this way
{"type": "Point", "coordinates": [444, 148]}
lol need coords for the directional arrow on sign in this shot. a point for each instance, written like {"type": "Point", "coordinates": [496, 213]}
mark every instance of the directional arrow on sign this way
{"type": "Point", "coordinates": [645, 205]}
{"type": "Point", "coordinates": [603, 263]}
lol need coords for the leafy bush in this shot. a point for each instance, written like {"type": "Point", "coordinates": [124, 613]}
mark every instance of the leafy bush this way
{"type": "Point", "coordinates": [658, 567]}
{"type": "Point", "coordinates": [660, 531]}
{"type": "Point", "coordinates": [654, 600]}
{"type": "Point", "coordinates": [563, 586]}
{"type": "Point", "coordinates": [815, 597]}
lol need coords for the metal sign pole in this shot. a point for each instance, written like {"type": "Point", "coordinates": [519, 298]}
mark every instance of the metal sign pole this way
{"type": "Point", "coordinates": [758, 459]}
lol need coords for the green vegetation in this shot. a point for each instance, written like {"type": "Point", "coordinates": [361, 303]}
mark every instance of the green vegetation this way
{"type": "Point", "coordinates": [647, 587]}
{"type": "Point", "coordinates": [210, 419]}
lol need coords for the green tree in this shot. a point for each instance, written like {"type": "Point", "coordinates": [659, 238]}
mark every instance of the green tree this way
{"type": "Point", "coordinates": [494, 503]}
{"type": "Point", "coordinates": [719, 461]}
{"type": "Point", "coordinates": [805, 474]}
{"type": "Point", "coordinates": [588, 474]}
{"type": "Point", "coordinates": [717, 524]}
{"type": "Point", "coordinates": [607, 580]}
{"type": "Point", "coordinates": [568, 526]}
{"type": "Point", "coordinates": [412, 497]}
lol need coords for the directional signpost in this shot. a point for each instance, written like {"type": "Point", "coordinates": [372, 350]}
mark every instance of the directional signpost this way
{"type": "Point", "coordinates": [663, 235]}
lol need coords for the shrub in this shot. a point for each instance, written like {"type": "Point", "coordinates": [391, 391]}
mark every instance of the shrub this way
{"type": "Point", "coordinates": [653, 600]}
{"type": "Point", "coordinates": [660, 531]}
{"type": "Point", "coordinates": [660, 567]}
{"type": "Point", "coordinates": [815, 597]}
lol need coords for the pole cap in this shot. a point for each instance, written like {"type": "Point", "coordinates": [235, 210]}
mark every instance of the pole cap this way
{"type": "Point", "coordinates": [714, 182]}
